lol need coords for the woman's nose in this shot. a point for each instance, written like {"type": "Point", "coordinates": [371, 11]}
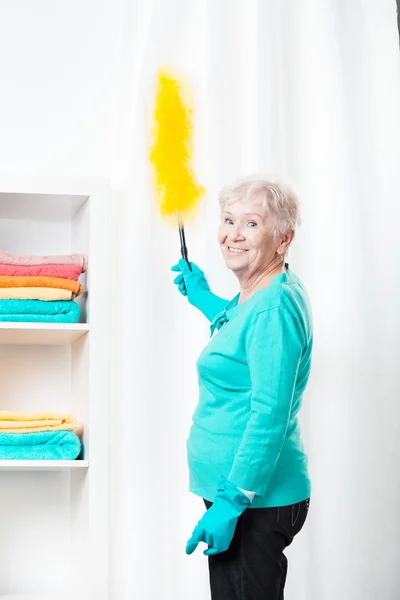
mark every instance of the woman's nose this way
{"type": "Point", "coordinates": [236, 232]}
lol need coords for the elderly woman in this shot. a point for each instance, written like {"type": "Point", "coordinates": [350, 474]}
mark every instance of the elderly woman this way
{"type": "Point", "coordinates": [246, 457]}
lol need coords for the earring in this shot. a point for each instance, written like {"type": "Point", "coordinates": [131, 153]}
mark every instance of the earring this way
{"type": "Point", "coordinates": [279, 258]}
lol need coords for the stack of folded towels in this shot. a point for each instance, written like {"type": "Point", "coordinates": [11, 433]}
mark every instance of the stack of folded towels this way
{"type": "Point", "coordinates": [40, 288]}
{"type": "Point", "coordinates": [43, 436]}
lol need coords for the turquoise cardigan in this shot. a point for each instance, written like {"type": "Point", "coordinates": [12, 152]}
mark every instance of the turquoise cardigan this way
{"type": "Point", "coordinates": [252, 375]}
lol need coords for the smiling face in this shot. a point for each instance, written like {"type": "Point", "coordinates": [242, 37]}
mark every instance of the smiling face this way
{"type": "Point", "coordinates": [248, 244]}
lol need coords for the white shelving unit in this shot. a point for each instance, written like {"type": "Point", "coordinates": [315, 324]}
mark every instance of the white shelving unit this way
{"type": "Point", "coordinates": [54, 514]}
{"type": "Point", "coordinates": [41, 334]}
{"type": "Point", "coordinates": [42, 465]}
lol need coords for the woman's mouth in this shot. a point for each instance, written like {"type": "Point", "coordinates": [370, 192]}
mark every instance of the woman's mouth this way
{"type": "Point", "coordinates": [236, 250]}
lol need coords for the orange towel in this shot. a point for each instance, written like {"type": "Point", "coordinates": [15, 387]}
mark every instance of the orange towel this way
{"type": "Point", "coordinates": [41, 281]}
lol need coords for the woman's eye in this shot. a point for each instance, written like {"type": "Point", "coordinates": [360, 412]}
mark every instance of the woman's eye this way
{"type": "Point", "coordinates": [252, 224]}
{"type": "Point", "coordinates": [229, 221]}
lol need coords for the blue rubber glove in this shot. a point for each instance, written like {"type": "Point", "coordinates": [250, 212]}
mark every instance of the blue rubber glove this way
{"type": "Point", "coordinates": [193, 284]}
{"type": "Point", "coordinates": [218, 524]}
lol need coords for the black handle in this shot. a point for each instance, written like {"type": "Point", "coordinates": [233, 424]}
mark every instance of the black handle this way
{"type": "Point", "coordinates": [184, 250]}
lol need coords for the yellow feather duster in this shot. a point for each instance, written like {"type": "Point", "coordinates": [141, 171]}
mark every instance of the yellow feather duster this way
{"type": "Point", "coordinates": [171, 150]}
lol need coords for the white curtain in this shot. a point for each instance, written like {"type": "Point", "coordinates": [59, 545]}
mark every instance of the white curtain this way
{"type": "Point", "coordinates": [309, 90]}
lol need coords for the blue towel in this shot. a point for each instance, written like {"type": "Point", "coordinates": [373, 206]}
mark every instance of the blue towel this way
{"type": "Point", "coordinates": [28, 311]}
{"type": "Point", "coordinates": [41, 445]}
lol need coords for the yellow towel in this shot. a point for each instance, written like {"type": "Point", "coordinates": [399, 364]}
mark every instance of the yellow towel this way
{"type": "Point", "coordinates": [35, 293]}
{"type": "Point", "coordinates": [11, 422]}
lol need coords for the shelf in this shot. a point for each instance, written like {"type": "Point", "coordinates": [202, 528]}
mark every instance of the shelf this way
{"type": "Point", "coordinates": [45, 198]}
{"type": "Point", "coordinates": [72, 593]}
{"type": "Point", "coordinates": [48, 207]}
{"type": "Point", "coordinates": [42, 465]}
{"type": "Point", "coordinates": [64, 368]}
{"type": "Point", "coordinates": [42, 334]}
{"type": "Point", "coordinates": [60, 596]}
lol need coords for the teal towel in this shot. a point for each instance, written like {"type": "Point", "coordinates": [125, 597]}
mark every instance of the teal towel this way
{"type": "Point", "coordinates": [40, 311]}
{"type": "Point", "coordinates": [41, 445]}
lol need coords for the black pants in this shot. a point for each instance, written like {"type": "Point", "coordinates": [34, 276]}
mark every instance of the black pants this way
{"type": "Point", "coordinates": [255, 567]}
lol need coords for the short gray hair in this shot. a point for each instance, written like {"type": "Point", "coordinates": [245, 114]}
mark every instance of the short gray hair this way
{"type": "Point", "coordinates": [277, 198]}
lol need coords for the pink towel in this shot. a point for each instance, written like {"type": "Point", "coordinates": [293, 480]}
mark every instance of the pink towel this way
{"type": "Point", "coordinates": [61, 271]}
{"type": "Point", "coordinates": [71, 259]}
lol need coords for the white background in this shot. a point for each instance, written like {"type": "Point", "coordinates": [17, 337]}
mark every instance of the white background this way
{"type": "Point", "coordinates": [307, 89]}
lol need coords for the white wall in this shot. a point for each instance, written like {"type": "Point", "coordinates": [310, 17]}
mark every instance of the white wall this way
{"type": "Point", "coordinates": [57, 72]}
{"type": "Point", "coordinates": [57, 65]}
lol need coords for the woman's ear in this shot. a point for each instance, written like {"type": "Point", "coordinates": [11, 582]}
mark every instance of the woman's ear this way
{"type": "Point", "coordinates": [286, 240]}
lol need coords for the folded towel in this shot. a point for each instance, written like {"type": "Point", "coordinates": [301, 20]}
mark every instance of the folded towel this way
{"type": "Point", "coordinates": [13, 422]}
{"type": "Point", "coordinates": [36, 311]}
{"type": "Point", "coordinates": [51, 282]}
{"type": "Point", "coordinates": [17, 259]}
{"type": "Point", "coordinates": [45, 445]}
{"type": "Point", "coordinates": [34, 293]}
{"type": "Point", "coordinates": [64, 271]}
